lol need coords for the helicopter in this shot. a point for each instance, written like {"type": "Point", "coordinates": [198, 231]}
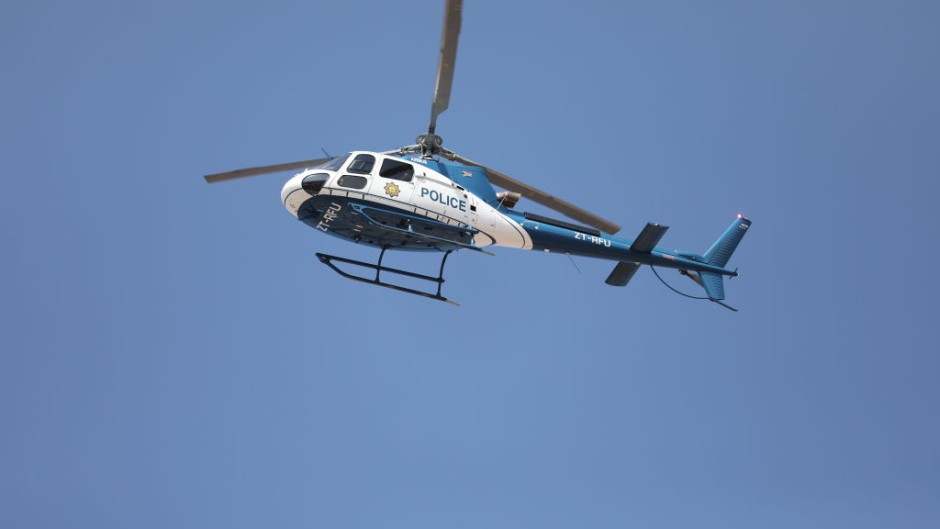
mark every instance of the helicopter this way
{"type": "Point", "coordinates": [424, 197]}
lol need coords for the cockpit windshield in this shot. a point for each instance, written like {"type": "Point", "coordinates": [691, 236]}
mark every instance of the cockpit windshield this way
{"type": "Point", "coordinates": [335, 163]}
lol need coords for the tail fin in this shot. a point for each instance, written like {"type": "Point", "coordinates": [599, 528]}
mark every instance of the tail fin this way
{"type": "Point", "coordinates": [718, 255]}
{"type": "Point", "coordinates": [721, 251]}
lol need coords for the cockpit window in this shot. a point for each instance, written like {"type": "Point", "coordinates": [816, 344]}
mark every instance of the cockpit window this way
{"type": "Point", "coordinates": [335, 163]}
{"type": "Point", "coordinates": [397, 170]}
{"type": "Point", "coordinates": [362, 164]}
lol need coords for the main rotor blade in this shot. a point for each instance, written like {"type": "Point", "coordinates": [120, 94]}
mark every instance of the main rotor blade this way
{"type": "Point", "coordinates": [255, 171]}
{"type": "Point", "coordinates": [445, 65]}
{"type": "Point", "coordinates": [543, 198]}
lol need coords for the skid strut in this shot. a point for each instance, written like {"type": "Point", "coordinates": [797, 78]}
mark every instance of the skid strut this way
{"type": "Point", "coordinates": [328, 261]}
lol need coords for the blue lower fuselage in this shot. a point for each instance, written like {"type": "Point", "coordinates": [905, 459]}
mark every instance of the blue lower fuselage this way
{"type": "Point", "coordinates": [560, 237]}
{"type": "Point", "coordinates": [400, 229]}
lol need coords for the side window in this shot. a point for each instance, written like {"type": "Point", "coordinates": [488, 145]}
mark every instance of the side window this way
{"type": "Point", "coordinates": [397, 170]}
{"type": "Point", "coordinates": [352, 181]}
{"type": "Point", "coordinates": [362, 164]}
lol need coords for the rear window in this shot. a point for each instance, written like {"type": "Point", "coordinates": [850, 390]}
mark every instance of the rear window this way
{"type": "Point", "coordinates": [397, 170]}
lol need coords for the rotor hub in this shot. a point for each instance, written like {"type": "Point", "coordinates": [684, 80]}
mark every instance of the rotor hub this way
{"type": "Point", "coordinates": [430, 143]}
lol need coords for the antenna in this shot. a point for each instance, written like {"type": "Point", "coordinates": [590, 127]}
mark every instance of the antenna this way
{"type": "Point", "coordinates": [572, 262]}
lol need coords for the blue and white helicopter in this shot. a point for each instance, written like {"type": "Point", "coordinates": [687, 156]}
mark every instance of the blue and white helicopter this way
{"type": "Point", "coordinates": [427, 198]}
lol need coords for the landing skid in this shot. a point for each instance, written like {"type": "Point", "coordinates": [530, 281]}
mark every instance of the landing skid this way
{"type": "Point", "coordinates": [328, 261]}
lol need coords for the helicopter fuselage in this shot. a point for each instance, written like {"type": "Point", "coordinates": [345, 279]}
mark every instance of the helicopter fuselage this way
{"type": "Point", "coordinates": [404, 204]}
{"type": "Point", "coordinates": [407, 207]}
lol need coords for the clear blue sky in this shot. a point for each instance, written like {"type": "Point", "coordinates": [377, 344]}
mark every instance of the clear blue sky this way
{"type": "Point", "coordinates": [172, 354]}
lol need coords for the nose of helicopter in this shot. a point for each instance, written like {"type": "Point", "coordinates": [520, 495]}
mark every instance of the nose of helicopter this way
{"type": "Point", "coordinates": [301, 187]}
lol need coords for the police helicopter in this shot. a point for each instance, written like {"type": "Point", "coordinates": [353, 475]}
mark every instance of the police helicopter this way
{"type": "Point", "coordinates": [427, 198]}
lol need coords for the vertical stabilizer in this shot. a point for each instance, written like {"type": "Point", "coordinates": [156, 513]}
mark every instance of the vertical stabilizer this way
{"type": "Point", "coordinates": [721, 251]}
{"type": "Point", "coordinates": [714, 285]}
{"type": "Point", "coordinates": [718, 255]}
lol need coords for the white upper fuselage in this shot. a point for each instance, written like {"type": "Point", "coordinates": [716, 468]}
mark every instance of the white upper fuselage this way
{"type": "Point", "coordinates": [414, 188]}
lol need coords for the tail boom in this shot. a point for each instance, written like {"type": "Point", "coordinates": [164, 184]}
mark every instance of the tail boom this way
{"type": "Point", "coordinates": [708, 270]}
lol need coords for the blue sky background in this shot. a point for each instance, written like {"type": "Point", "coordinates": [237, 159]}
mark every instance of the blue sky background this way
{"type": "Point", "coordinates": [172, 354]}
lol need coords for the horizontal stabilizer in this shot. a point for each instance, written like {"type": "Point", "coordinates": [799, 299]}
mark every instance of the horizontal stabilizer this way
{"type": "Point", "coordinates": [648, 238]}
{"type": "Point", "coordinates": [622, 274]}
